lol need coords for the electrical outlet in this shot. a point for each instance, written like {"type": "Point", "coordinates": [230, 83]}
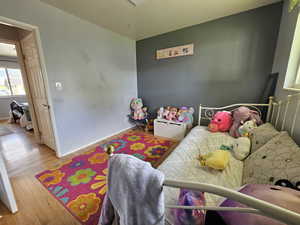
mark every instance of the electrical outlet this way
{"type": "Point", "coordinates": [58, 86]}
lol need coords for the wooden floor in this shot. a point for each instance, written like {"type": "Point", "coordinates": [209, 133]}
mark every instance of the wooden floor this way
{"type": "Point", "coordinates": [24, 159]}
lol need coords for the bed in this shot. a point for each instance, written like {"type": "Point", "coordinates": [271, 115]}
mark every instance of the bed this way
{"type": "Point", "coordinates": [182, 164]}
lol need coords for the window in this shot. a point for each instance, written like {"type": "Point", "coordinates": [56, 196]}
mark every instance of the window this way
{"type": "Point", "coordinates": [11, 82]}
{"type": "Point", "coordinates": [292, 78]}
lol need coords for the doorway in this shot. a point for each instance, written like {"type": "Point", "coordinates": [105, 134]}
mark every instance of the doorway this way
{"type": "Point", "coordinates": [33, 111]}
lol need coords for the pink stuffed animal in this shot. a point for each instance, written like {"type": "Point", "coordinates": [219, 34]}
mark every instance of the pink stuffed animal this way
{"type": "Point", "coordinates": [240, 116]}
{"type": "Point", "coordinates": [221, 122]}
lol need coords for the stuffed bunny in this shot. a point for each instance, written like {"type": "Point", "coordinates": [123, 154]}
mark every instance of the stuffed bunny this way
{"type": "Point", "coordinates": [240, 116]}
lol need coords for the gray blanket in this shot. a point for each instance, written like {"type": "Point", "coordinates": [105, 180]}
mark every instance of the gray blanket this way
{"type": "Point", "coordinates": [134, 193]}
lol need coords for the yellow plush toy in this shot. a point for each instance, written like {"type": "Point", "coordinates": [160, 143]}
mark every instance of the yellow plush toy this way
{"type": "Point", "coordinates": [218, 159]}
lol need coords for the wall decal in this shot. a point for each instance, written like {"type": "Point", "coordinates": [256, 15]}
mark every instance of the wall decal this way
{"type": "Point", "coordinates": [175, 51]}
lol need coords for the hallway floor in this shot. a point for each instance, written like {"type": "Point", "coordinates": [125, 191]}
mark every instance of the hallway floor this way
{"type": "Point", "coordinates": [24, 159]}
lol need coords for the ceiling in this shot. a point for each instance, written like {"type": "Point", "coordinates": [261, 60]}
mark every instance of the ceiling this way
{"type": "Point", "coordinates": [153, 17]}
{"type": "Point", "coordinates": [8, 50]}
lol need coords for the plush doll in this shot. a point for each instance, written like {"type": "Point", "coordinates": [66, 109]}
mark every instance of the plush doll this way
{"type": "Point", "coordinates": [139, 112]}
{"type": "Point", "coordinates": [166, 112]}
{"type": "Point", "coordinates": [180, 112]}
{"type": "Point", "coordinates": [221, 122]}
{"type": "Point", "coordinates": [160, 113]}
{"type": "Point", "coordinates": [240, 116]}
{"type": "Point", "coordinates": [241, 148]}
{"type": "Point", "coordinates": [247, 127]}
{"type": "Point", "coordinates": [172, 114]}
{"type": "Point", "coordinates": [217, 160]}
{"type": "Point", "coordinates": [186, 115]}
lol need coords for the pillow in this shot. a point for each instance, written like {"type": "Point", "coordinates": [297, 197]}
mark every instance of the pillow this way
{"type": "Point", "coordinates": [261, 135]}
{"type": "Point", "coordinates": [188, 216]}
{"type": "Point", "coordinates": [278, 159]}
{"type": "Point", "coordinates": [281, 196]}
{"type": "Point", "coordinates": [241, 148]}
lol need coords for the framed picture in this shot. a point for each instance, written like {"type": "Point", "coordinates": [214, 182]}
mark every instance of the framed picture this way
{"type": "Point", "coordinates": [175, 51]}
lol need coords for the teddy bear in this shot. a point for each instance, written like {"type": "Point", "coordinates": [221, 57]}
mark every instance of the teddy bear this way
{"type": "Point", "coordinates": [221, 122]}
{"type": "Point", "coordinates": [139, 112]}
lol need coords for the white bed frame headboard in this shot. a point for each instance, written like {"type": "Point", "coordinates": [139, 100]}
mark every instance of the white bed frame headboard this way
{"type": "Point", "coordinates": [282, 114]}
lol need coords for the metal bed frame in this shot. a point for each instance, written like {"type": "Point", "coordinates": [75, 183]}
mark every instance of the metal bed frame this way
{"type": "Point", "coordinates": [256, 206]}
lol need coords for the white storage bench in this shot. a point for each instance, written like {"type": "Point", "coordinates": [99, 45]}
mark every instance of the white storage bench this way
{"type": "Point", "coordinates": [170, 129]}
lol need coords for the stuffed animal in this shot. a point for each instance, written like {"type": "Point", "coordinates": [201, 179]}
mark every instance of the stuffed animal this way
{"type": "Point", "coordinates": [139, 112]}
{"type": "Point", "coordinates": [160, 113]}
{"type": "Point", "coordinates": [166, 112]}
{"type": "Point", "coordinates": [181, 111]}
{"type": "Point", "coordinates": [240, 116]}
{"type": "Point", "coordinates": [172, 114]}
{"type": "Point", "coordinates": [241, 148]}
{"type": "Point", "coordinates": [247, 127]}
{"type": "Point", "coordinates": [186, 115]}
{"type": "Point", "coordinates": [221, 122]}
{"type": "Point", "coordinates": [217, 160]}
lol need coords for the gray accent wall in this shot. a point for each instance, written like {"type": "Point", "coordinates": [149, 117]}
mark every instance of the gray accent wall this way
{"type": "Point", "coordinates": [232, 60]}
{"type": "Point", "coordinates": [283, 50]}
{"type": "Point", "coordinates": [96, 67]}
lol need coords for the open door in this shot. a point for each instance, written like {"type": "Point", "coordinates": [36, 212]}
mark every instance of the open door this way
{"type": "Point", "coordinates": [6, 192]}
{"type": "Point", "coordinates": [37, 89]}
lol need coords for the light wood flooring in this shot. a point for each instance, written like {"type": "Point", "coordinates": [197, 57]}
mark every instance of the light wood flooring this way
{"type": "Point", "coordinates": [24, 159]}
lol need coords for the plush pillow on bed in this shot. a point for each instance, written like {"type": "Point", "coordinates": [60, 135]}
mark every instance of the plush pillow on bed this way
{"type": "Point", "coordinates": [278, 159]}
{"type": "Point", "coordinates": [261, 135]}
{"type": "Point", "coordinates": [284, 197]}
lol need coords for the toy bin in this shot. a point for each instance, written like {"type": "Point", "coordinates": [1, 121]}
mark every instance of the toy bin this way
{"type": "Point", "coordinates": [170, 129]}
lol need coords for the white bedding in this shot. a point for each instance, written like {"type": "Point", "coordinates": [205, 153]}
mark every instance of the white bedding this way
{"type": "Point", "coordinates": [182, 164]}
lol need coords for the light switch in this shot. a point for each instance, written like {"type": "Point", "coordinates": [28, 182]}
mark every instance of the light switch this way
{"type": "Point", "coordinates": [58, 86]}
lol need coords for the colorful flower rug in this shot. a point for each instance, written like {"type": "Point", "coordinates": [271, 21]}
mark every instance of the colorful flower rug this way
{"type": "Point", "coordinates": [80, 183]}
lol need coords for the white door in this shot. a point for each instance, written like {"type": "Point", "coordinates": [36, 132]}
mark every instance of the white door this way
{"type": "Point", "coordinates": [37, 89]}
{"type": "Point", "coordinates": [6, 192]}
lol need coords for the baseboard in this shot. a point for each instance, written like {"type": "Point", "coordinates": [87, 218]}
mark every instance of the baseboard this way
{"type": "Point", "coordinates": [92, 143]}
{"type": "Point", "coordinates": [4, 118]}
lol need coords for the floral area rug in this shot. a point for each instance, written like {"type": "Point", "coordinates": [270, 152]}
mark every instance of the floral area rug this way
{"type": "Point", "coordinates": [80, 183]}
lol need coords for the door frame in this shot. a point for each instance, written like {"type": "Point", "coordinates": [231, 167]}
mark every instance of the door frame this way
{"type": "Point", "coordinates": [26, 86]}
{"type": "Point", "coordinates": [36, 33]}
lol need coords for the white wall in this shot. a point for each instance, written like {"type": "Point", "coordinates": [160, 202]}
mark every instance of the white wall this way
{"type": "Point", "coordinates": [96, 67]}
{"type": "Point", "coordinates": [283, 50]}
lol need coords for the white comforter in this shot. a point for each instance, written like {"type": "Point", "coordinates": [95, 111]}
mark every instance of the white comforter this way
{"type": "Point", "coordinates": [182, 164]}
